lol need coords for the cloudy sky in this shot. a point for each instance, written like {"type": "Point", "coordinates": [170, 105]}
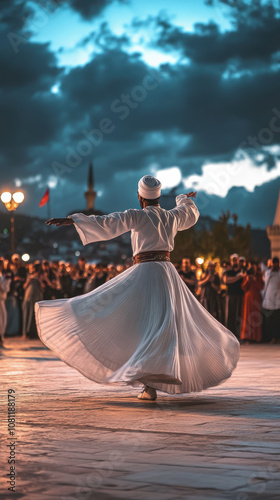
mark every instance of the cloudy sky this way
{"type": "Point", "coordinates": [185, 90]}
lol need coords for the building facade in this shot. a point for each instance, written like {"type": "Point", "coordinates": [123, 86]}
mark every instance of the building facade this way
{"type": "Point", "coordinates": [273, 233]}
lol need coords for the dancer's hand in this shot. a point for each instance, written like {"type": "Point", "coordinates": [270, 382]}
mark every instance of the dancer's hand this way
{"type": "Point", "coordinates": [60, 222]}
{"type": "Point", "coordinates": [192, 194]}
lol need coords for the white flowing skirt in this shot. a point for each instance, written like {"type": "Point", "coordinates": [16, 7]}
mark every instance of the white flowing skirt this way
{"type": "Point", "coordinates": [145, 326]}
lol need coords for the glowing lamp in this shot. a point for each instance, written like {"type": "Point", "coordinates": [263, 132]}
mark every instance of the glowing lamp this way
{"type": "Point", "coordinates": [6, 197]}
{"type": "Point", "coordinates": [18, 197]}
{"type": "Point", "coordinates": [200, 260]}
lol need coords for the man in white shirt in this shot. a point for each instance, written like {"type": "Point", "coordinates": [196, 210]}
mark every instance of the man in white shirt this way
{"type": "Point", "coordinates": [4, 288]}
{"type": "Point", "coordinates": [271, 303]}
{"type": "Point", "coordinates": [144, 325]}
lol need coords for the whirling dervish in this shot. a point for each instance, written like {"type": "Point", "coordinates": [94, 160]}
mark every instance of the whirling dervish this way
{"type": "Point", "coordinates": [144, 326]}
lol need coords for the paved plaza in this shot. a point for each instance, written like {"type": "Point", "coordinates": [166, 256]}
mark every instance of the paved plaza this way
{"type": "Point", "coordinates": [77, 440]}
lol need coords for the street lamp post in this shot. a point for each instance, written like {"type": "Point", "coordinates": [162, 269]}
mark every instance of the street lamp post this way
{"type": "Point", "coordinates": [11, 202]}
{"type": "Point", "coordinates": [12, 231]}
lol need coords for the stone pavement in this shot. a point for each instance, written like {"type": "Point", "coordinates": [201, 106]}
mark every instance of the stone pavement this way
{"type": "Point", "coordinates": [77, 440]}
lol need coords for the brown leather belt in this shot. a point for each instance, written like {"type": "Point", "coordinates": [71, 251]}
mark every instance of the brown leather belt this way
{"type": "Point", "coordinates": [155, 256]}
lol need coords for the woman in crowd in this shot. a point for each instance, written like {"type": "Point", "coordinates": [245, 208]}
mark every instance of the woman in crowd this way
{"type": "Point", "coordinates": [251, 322]}
{"type": "Point", "coordinates": [33, 292]}
{"type": "Point", "coordinates": [5, 282]}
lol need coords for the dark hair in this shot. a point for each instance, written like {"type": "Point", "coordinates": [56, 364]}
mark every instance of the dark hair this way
{"type": "Point", "coordinates": [37, 268]}
{"type": "Point", "coordinates": [275, 260]}
{"type": "Point", "coordinates": [152, 202]}
{"type": "Point", "coordinates": [251, 271]}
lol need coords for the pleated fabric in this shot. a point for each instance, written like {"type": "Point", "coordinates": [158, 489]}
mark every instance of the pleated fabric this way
{"type": "Point", "coordinates": [143, 326]}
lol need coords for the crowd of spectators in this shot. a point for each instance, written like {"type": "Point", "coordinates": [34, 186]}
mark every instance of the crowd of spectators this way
{"type": "Point", "coordinates": [245, 297]}
{"type": "Point", "coordinates": [22, 285]}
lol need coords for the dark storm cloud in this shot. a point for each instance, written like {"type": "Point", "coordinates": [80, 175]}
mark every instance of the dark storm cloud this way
{"type": "Point", "coordinates": [105, 39]}
{"type": "Point", "coordinates": [192, 114]}
{"type": "Point", "coordinates": [31, 115]}
{"type": "Point", "coordinates": [33, 67]}
{"type": "Point", "coordinates": [207, 113]}
{"type": "Point", "coordinates": [252, 44]}
{"type": "Point", "coordinates": [104, 78]}
{"type": "Point", "coordinates": [91, 8]}
{"type": "Point", "coordinates": [14, 15]}
{"type": "Point", "coordinates": [243, 12]}
{"type": "Point", "coordinates": [229, 87]}
{"type": "Point", "coordinates": [217, 114]}
{"type": "Point", "coordinates": [193, 101]}
{"type": "Point", "coordinates": [252, 206]}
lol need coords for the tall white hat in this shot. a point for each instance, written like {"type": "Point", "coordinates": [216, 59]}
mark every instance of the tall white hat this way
{"type": "Point", "coordinates": [149, 187]}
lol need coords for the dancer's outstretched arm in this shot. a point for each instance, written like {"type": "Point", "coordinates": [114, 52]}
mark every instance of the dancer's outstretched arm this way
{"type": "Point", "coordinates": [68, 221]}
{"type": "Point", "coordinates": [186, 211]}
{"type": "Point", "coordinates": [60, 222]}
{"type": "Point", "coordinates": [92, 228]}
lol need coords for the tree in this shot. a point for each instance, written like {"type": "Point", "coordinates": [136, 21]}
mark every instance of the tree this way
{"type": "Point", "coordinates": [219, 242]}
{"type": "Point", "coordinates": [185, 245]}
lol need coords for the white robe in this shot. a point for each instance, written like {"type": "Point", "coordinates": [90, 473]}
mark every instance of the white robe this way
{"type": "Point", "coordinates": [144, 325]}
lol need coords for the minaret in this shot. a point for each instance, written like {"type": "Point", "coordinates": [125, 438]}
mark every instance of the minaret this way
{"type": "Point", "coordinates": [273, 233]}
{"type": "Point", "coordinates": [90, 194]}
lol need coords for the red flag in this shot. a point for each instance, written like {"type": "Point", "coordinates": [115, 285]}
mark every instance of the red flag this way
{"type": "Point", "coordinates": [45, 198]}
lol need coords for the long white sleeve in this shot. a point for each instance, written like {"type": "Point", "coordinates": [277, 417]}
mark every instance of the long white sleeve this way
{"type": "Point", "coordinates": [93, 228]}
{"type": "Point", "coordinates": [186, 212]}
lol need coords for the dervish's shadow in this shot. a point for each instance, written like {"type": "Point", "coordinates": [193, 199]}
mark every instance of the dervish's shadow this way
{"type": "Point", "coordinates": [4, 354]}
{"type": "Point", "coordinates": [7, 352]}
{"type": "Point", "coordinates": [32, 348]}
{"type": "Point", "coordinates": [216, 405]}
